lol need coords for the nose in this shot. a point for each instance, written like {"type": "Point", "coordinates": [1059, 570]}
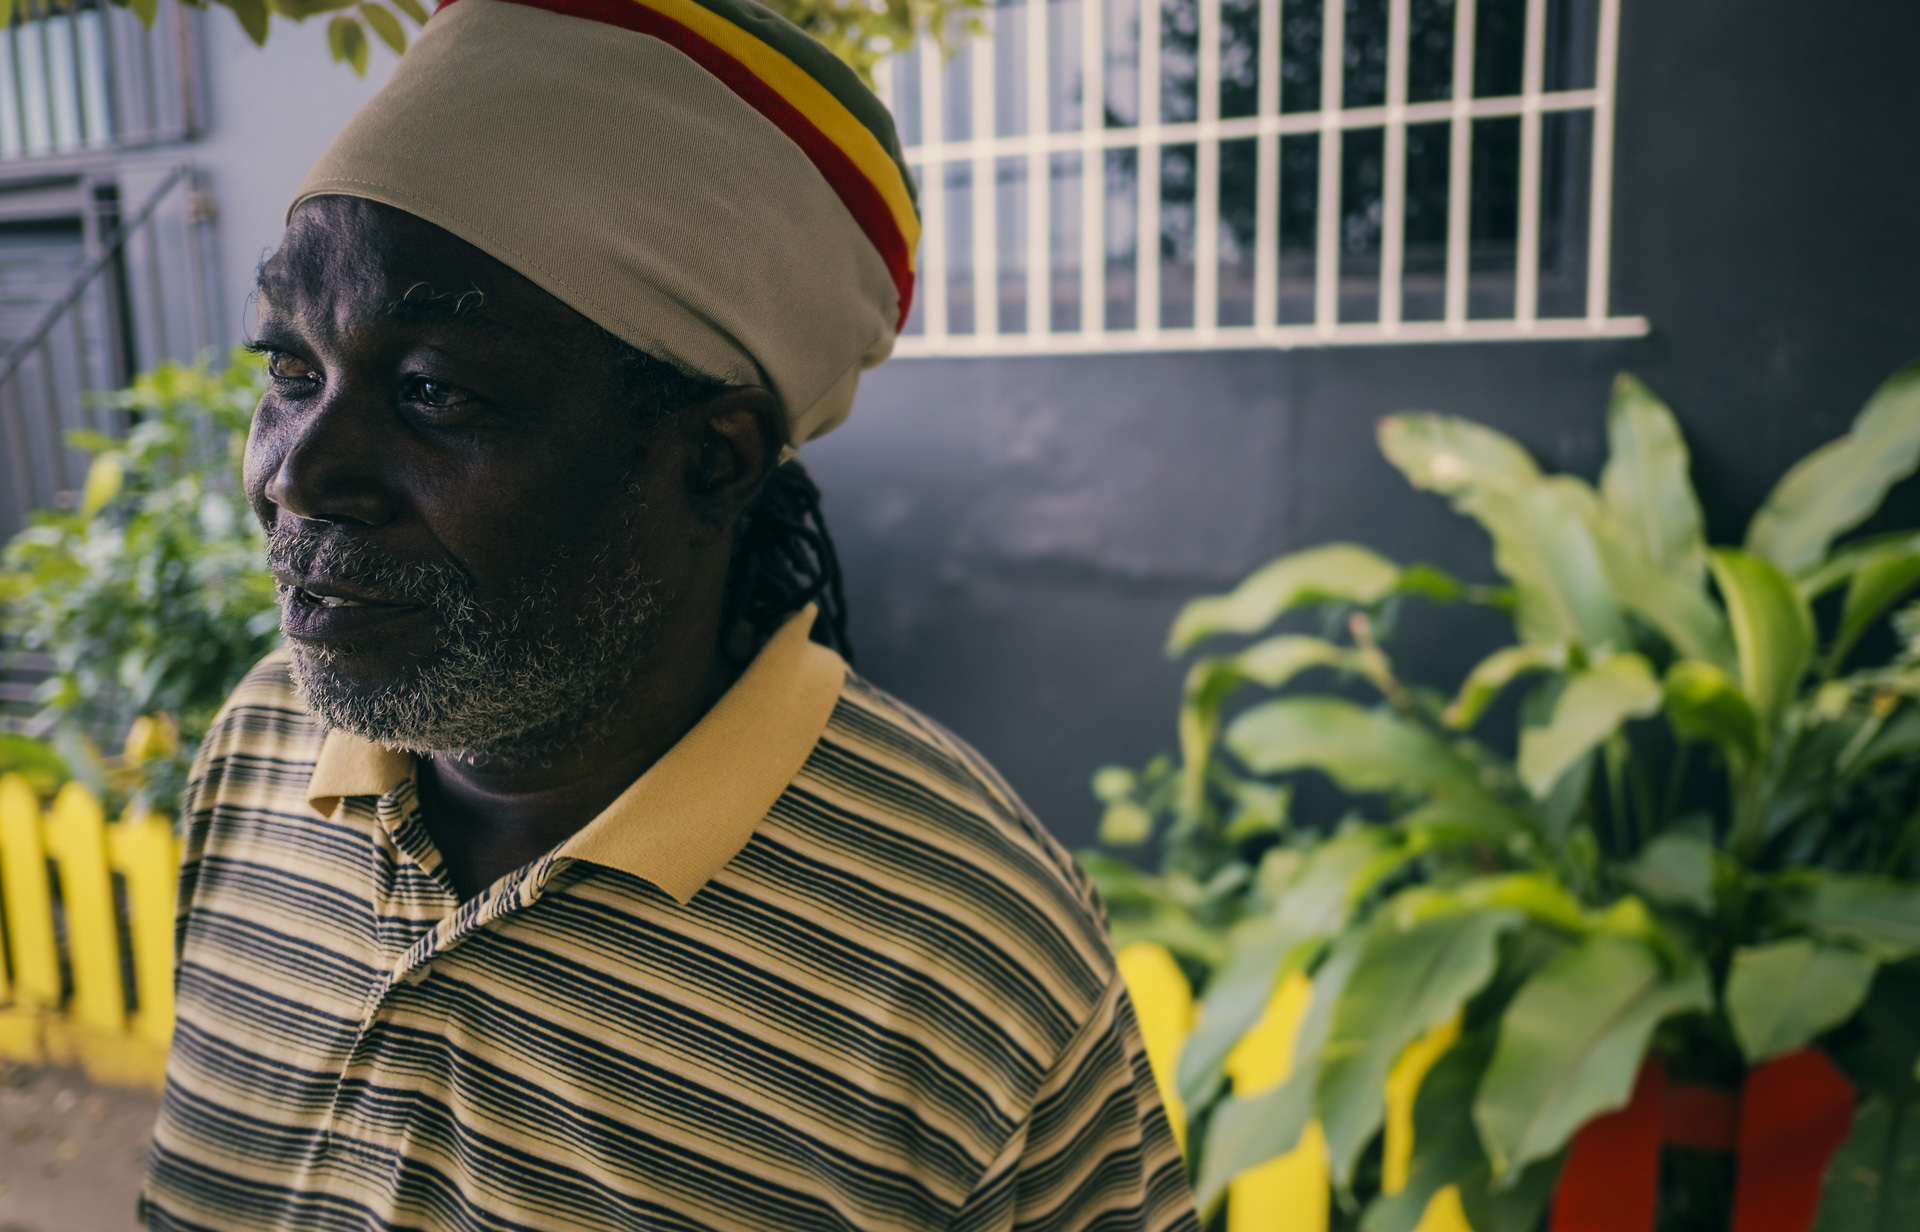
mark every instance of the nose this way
{"type": "Point", "coordinates": [324, 461]}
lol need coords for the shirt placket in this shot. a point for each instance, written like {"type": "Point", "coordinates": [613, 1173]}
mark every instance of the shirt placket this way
{"type": "Point", "coordinates": [399, 817]}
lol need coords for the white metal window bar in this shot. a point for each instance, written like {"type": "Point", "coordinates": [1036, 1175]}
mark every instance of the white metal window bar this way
{"type": "Point", "coordinates": [88, 75]}
{"type": "Point", "coordinates": [1120, 175]}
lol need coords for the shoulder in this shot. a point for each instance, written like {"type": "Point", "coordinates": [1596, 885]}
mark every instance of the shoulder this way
{"type": "Point", "coordinates": [261, 747]}
{"type": "Point", "coordinates": [918, 814]}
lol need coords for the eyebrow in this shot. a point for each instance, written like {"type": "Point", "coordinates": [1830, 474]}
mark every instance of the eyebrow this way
{"type": "Point", "coordinates": [418, 304]}
{"type": "Point", "coordinates": [467, 307]}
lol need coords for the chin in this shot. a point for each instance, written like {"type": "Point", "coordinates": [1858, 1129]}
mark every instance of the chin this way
{"type": "Point", "coordinates": [365, 692]}
{"type": "Point", "coordinates": [478, 706]}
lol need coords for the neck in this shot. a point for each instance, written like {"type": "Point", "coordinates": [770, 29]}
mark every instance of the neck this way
{"type": "Point", "coordinates": [491, 815]}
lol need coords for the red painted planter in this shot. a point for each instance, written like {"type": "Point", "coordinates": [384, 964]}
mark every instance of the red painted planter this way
{"type": "Point", "coordinates": [1784, 1127]}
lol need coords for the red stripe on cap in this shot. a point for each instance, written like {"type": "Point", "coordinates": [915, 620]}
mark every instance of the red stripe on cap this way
{"type": "Point", "coordinates": [855, 190]}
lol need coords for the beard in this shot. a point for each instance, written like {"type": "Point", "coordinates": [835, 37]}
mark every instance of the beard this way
{"type": "Point", "coordinates": [525, 679]}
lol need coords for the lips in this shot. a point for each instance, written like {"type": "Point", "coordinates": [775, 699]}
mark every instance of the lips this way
{"type": "Point", "coordinates": [324, 612]}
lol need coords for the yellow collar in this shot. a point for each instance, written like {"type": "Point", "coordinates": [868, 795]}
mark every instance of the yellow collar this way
{"type": "Point", "coordinates": [695, 808]}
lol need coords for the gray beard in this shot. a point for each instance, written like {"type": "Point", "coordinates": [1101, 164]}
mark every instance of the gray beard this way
{"type": "Point", "coordinates": [521, 683]}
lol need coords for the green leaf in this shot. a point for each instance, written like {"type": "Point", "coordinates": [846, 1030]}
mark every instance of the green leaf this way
{"type": "Point", "coordinates": [1455, 457]}
{"type": "Point", "coordinates": [1261, 952]}
{"type": "Point", "coordinates": [1515, 1206]}
{"type": "Point", "coordinates": [387, 26]}
{"type": "Point", "coordinates": [1258, 809]}
{"type": "Point", "coordinates": [145, 10]}
{"type": "Point", "coordinates": [1676, 870]}
{"type": "Point", "coordinates": [1336, 573]}
{"type": "Point", "coordinates": [1541, 527]}
{"type": "Point", "coordinates": [1779, 997]}
{"type": "Point", "coordinates": [1878, 584]}
{"type": "Point", "coordinates": [105, 478]}
{"type": "Point", "coordinates": [1877, 1050]}
{"type": "Point", "coordinates": [1445, 1149]}
{"type": "Point", "coordinates": [1407, 982]}
{"type": "Point", "coordinates": [1362, 750]}
{"type": "Point", "coordinates": [1494, 673]}
{"type": "Point", "coordinates": [1772, 630]}
{"type": "Point", "coordinates": [1544, 541]}
{"type": "Point", "coordinates": [1446, 823]}
{"type": "Point", "coordinates": [1571, 1043]}
{"type": "Point", "coordinates": [1537, 895]}
{"type": "Point", "coordinates": [1704, 703]}
{"type": "Point", "coordinates": [1245, 1133]}
{"type": "Point", "coordinates": [1592, 707]}
{"type": "Point", "coordinates": [347, 39]}
{"type": "Point", "coordinates": [42, 768]}
{"type": "Point", "coordinates": [253, 18]}
{"type": "Point", "coordinates": [1111, 783]}
{"type": "Point", "coordinates": [1675, 604]}
{"type": "Point", "coordinates": [1837, 486]}
{"type": "Point", "coordinates": [1847, 560]}
{"type": "Point", "coordinates": [1645, 487]}
{"type": "Point", "coordinates": [413, 9]}
{"type": "Point", "coordinates": [77, 751]}
{"type": "Point", "coordinates": [1873, 1181]}
{"type": "Point", "coordinates": [300, 10]}
{"type": "Point", "coordinates": [1211, 681]}
{"type": "Point", "coordinates": [1878, 914]}
{"type": "Point", "coordinates": [1125, 824]}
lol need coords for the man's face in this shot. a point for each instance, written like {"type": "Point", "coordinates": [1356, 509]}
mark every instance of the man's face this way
{"type": "Point", "coordinates": [476, 534]}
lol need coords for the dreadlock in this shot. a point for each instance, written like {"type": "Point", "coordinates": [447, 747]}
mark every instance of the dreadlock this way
{"type": "Point", "coordinates": [784, 559]}
{"type": "Point", "coordinates": [783, 556]}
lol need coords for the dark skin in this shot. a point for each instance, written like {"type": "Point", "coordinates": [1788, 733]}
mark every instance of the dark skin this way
{"type": "Point", "coordinates": [442, 407]}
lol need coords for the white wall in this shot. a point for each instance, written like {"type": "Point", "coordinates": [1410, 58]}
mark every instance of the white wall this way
{"type": "Point", "coordinates": [272, 110]}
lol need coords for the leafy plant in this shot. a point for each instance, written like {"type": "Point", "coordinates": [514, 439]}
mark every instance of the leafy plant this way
{"type": "Point", "coordinates": [150, 596]}
{"type": "Point", "coordinates": [1704, 842]}
{"type": "Point", "coordinates": [859, 32]}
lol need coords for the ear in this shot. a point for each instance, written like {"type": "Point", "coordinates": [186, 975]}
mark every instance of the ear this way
{"type": "Point", "coordinates": [737, 438]}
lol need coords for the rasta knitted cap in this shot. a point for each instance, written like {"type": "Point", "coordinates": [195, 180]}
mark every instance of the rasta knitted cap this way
{"type": "Point", "coordinates": [698, 177]}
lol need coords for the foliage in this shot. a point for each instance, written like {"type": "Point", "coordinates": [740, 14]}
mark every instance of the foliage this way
{"type": "Point", "coordinates": [858, 31]}
{"type": "Point", "coordinates": [150, 596]}
{"type": "Point", "coordinates": [1702, 841]}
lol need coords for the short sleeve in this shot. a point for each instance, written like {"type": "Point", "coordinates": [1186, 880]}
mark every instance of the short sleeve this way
{"type": "Point", "coordinates": [1094, 1150]}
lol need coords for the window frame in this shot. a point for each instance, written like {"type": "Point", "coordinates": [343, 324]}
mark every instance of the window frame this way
{"type": "Point", "coordinates": [984, 151]}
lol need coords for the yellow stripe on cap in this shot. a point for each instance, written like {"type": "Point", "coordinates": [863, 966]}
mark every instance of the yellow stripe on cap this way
{"type": "Point", "coordinates": [812, 99]}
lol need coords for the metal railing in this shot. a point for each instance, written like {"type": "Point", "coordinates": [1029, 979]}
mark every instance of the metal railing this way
{"type": "Point", "coordinates": [145, 294]}
{"type": "Point", "coordinates": [88, 75]}
{"type": "Point", "coordinates": [1101, 175]}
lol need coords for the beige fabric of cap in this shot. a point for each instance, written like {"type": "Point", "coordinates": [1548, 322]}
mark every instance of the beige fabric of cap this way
{"type": "Point", "coordinates": [613, 152]}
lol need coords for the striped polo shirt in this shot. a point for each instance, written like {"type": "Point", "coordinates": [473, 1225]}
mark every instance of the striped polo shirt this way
{"type": "Point", "coordinates": [817, 968]}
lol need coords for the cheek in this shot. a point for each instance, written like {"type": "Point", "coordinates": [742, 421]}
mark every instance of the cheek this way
{"type": "Point", "coordinates": [514, 524]}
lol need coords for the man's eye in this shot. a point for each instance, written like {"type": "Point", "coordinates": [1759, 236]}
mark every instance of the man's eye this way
{"type": "Point", "coordinates": [285, 367]}
{"type": "Point", "coordinates": [436, 394]}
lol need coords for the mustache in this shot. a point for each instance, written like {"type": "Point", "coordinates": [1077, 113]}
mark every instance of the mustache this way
{"type": "Point", "coordinates": [318, 552]}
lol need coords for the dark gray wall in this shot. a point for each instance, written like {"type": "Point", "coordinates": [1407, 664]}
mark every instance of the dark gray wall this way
{"type": "Point", "coordinates": [1018, 533]}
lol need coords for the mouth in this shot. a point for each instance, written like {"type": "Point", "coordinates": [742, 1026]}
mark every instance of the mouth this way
{"type": "Point", "coordinates": [324, 598]}
{"type": "Point", "coordinates": [321, 611]}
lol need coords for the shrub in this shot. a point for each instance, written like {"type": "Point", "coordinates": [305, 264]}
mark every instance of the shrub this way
{"type": "Point", "coordinates": [151, 596]}
{"type": "Point", "coordinates": [1702, 846]}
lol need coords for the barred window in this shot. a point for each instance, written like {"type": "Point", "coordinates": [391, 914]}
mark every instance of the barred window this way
{"type": "Point", "coordinates": [80, 75]}
{"type": "Point", "coordinates": [1117, 175]}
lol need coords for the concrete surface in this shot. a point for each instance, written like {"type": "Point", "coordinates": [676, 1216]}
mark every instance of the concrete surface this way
{"type": "Point", "coordinates": [71, 1154]}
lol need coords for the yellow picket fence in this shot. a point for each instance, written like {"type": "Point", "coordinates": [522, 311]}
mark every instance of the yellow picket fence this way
{"type": "Point", "coordinates": [1292, 1193]}
{"type": "Point", "coordinates": [87, 906]}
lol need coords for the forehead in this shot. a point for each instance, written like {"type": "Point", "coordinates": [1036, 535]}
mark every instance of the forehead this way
{"type": "Point", "coordinates": [350, 259]}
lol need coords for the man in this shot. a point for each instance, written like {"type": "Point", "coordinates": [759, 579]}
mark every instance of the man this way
{"type": "Point", "coordinates": [559, 874]}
